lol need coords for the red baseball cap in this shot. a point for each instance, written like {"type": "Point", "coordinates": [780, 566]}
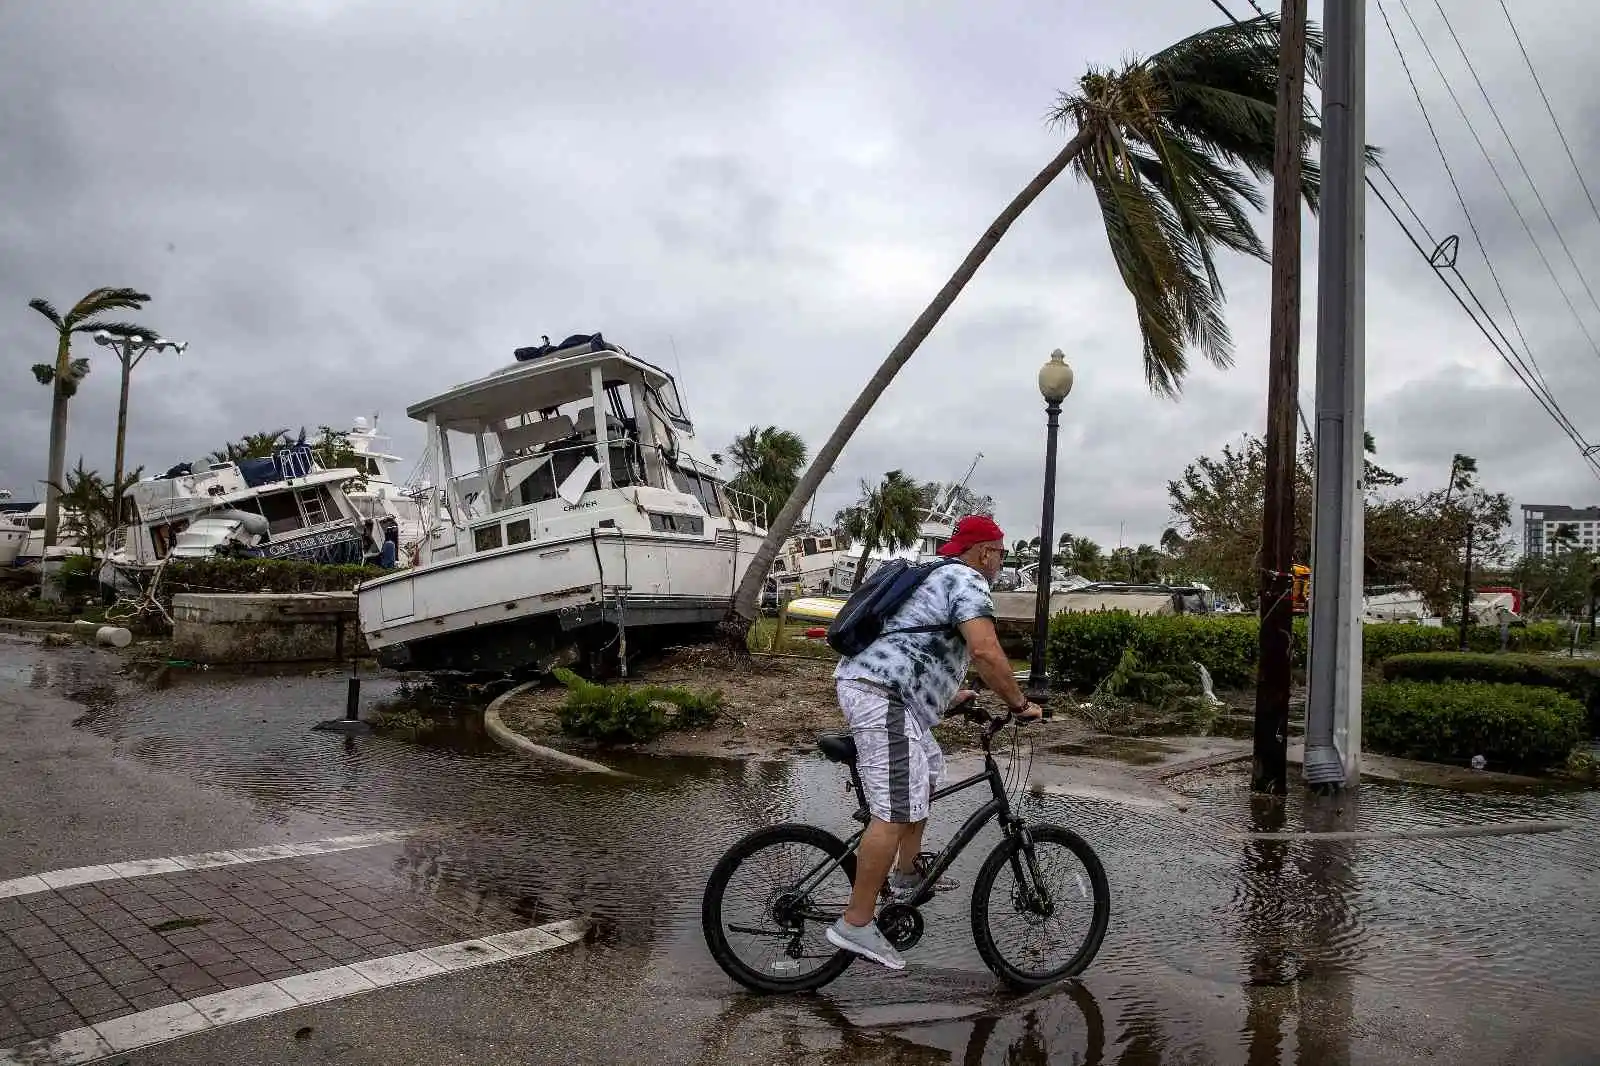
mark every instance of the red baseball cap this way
{"type": "Point", "coordinates": [970, 532]}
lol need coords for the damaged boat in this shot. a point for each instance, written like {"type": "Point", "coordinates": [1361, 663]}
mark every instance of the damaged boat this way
{"type": "Point", "coordinates": [594, 521]}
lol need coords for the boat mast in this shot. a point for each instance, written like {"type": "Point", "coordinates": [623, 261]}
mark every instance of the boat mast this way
{"type": "Point", "coordinates": [949, 500]}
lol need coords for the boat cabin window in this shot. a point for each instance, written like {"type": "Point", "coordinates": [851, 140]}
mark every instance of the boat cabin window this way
{"type": "Point", "coordinates": [702, 487]}
{"type": "Point", "coordinates": [677, 523]}
{"type": "Point", "coordinates": [519, 532]}
{"type": "Point", "coordinates": [486, 538]}
{"type": "Point", "coordinates": [544, 483]}
{"type": "Point", "coordinates": [808, 546]}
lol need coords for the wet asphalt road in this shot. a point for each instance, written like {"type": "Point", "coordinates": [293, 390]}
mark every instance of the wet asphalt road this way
{"type": "Point", "coordinates": [1220, 950]}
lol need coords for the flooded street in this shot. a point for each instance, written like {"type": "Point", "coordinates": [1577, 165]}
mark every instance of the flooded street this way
{"type": "Point", "coordinates": [1222, 948]}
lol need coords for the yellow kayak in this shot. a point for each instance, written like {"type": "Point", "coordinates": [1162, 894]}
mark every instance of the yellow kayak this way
{"type": "Point", "coordinates": [821, 609]}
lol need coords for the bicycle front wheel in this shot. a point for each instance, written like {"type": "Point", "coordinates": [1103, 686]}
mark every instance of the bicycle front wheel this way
{"type": "Point", "coordinates": [764, 926]}
{"type": "Point", "coordinates": [1040, 908]}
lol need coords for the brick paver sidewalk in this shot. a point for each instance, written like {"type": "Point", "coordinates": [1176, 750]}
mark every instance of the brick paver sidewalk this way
{"type": "Point", "coordinates": [86, 954]}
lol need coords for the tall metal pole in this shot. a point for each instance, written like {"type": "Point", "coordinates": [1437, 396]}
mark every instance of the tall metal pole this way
{"type": "Point", "coordinates": [1270, 770]}
{"type": "Point", "coordinates": [1466, 587]}
{"type": "Point", "coordinates": [1333, 708]}
{"type": "Point", "coordinates": [1038, 676]}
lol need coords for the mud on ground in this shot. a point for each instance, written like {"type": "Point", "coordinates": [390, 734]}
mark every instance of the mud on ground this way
{"type": "Point", "coordinates": [772, 706]}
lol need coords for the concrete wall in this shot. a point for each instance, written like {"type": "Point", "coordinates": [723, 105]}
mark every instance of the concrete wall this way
{"type": "Point", "coordinates": [265, 627]}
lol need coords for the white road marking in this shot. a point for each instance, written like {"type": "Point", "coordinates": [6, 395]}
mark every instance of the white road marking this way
{"type": "Point", "coordinates": [133, 1032]}
{"type": "Point", "coordinates": [117, 871]}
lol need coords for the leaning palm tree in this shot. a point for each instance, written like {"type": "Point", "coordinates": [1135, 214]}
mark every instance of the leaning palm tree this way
{"type": "Point", "coordinates": [66, 372]}
{"type": "Point", "coordinates": [1175, 148]}
{"type": "Point", "coordinates": [888, 516]}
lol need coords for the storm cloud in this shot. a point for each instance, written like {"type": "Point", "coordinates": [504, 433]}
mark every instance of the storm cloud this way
{"type": "Point", "coordinates": [345, 207]}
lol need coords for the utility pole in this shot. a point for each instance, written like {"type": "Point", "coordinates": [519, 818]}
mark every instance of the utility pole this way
{"type": "Point", "coordinates": [1333, 706]}
{"type": "Point", "coordinates": [1466, 587]}
{"type": "Point", "coordinates": [1270, 768]}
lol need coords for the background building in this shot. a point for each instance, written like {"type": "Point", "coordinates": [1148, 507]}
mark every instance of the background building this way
{"type": "Point", "coordinates": [1541, 521]}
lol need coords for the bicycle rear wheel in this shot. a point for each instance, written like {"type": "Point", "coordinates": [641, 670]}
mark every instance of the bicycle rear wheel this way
{"type": "Point", "coordinates": [762, 931]}
{"type": "Point", "coordinates": [1053, 891]}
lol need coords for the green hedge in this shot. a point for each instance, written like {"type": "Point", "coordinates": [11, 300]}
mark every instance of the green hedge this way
{"type": "Point", "coordinates": [1578, 678]}
{"type": "Point", "coordinates": [261, 575]}
{"type": "Point", "coordinates": [1085, 647]}
{"type": "Point", "coordinates": [1515, 727]}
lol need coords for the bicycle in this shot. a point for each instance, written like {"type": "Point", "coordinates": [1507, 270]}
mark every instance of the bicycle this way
{"type": "Point", "coordinates": [798, 904]}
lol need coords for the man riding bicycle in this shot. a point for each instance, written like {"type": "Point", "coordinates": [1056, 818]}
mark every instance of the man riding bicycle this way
{"type": "Point", "coordinates": [893, 693]}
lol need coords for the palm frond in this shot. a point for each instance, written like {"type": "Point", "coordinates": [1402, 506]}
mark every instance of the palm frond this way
{"type": "Point", "coordinates": [1148, 271]}
{"type": "Point", "coordinates": [102, 300]}
{"type": "Point", "coordinates": [43, 373]}
{"type": "Point", "coordinates": [48, 310]}
{"type": "Point", "coordinates": [117, 329]}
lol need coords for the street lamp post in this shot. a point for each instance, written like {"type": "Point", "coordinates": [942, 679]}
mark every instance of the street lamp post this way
{"type": "Point", "coordinates": [1055, 383]}
{"type": "Point", "coordinates": [130, 348]}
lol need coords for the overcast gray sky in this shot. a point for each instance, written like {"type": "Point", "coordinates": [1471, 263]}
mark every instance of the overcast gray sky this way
{"type": "Point", "coordinates": [345, 207]}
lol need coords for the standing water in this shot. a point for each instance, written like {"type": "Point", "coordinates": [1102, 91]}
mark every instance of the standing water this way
{"type": "Point", "coordinates": [1222, 948]}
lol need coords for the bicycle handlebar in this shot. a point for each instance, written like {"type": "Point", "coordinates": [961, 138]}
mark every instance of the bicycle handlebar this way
{"type": "Point", "coordinates": [970, 710]}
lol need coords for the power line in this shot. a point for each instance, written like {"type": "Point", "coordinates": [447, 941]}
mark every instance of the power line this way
{"type": "Point", "coordinates": [1461, 199]}
{"type": "Point", "coordinates": [1442, 260]}
{"type": "Point", "coordinates": [1551, 111]}
{"type": "Point", "coordinates": [1515, 154]}
{"type": "Point", "coordinates": [1495, 170]}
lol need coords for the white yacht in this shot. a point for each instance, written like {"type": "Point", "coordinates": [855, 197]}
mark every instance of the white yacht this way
{"type": "Point", "coordinates": [13, 531]}
{"type": "Point", "coordinates": [382, 493]}
{"type": "Point", "coordinates": [280, 507]}
{"type": "Point", "coordinates": [593, 519]}
{"type": "Point", "coordinates": [32, 550]}
{"type": "Point", "coordinates": [805, 564]}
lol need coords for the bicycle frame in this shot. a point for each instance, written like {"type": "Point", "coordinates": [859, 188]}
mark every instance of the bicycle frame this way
{"type": "Point", "coordinates": [999, 805]}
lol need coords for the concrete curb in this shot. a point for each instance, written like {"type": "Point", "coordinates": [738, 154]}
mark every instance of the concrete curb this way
{"type": "Point", "coordinates": [29, 625]}
{"type": "Point", "coordinates": [510, 739]}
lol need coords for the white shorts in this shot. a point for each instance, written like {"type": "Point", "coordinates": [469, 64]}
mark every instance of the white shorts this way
{"type": "Point", "coordinates": [897, 758]}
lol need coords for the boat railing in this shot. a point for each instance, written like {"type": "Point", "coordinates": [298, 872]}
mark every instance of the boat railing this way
{"type": "Point", "coordinates": [746, 507]}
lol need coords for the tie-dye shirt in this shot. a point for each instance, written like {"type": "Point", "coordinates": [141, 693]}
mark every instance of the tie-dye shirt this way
{"type": "Point", "coordinates": [926, 669]}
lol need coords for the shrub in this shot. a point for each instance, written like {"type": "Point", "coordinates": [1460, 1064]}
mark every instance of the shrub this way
{"type": "Point", "coordinates": [1085, 647]}
{"type": "Point", "coordinates": [1383, 641]}
{"type": "Point", "coordinates": [78, 577]}
{"type": "Point", "coordinates": [1578, 678]}
{"type": "Point", "coordinates": [623, 714]}
{"type": "Point", "coordinates": [1511, 726]}
{"type": "Point", "coordinates": [261, 575]}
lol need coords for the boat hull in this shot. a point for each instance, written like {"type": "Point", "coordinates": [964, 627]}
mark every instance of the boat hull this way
{"type": "Point", "coordinates": [514, 610]}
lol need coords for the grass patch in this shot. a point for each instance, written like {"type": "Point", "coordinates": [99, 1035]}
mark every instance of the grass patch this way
{"type": "Point", "coordinates": [632, 714]}
{"type": "Point", "coordinates": [766, 637]}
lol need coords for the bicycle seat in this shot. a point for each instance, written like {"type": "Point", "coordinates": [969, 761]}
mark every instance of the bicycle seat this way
{"type": "Point", "coordinates": [838, 747]}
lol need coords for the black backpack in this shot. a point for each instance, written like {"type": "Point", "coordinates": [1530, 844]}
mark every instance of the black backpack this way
{"type": "Point", "coordinates": [859, 623]}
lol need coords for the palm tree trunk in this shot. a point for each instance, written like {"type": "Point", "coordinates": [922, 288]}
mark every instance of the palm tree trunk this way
{"type": "Point", "coordinates": [746, 601]}
{"type": "Point", "coordinates": [861, 564]}
{"type": "Point", "coordinates": [122, 440]}
{"type": "Point", "coordinates": [58, 440]}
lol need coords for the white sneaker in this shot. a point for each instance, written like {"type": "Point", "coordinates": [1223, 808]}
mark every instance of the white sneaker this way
{"type": "Point", "coordinates": [867, 941]}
